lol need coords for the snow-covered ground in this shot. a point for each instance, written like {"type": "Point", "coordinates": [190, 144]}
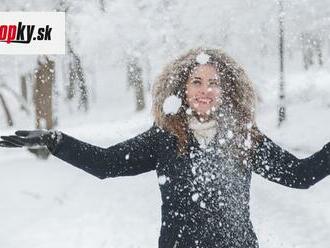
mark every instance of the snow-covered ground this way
{"type": "Point", "coordinates": [47, 204]}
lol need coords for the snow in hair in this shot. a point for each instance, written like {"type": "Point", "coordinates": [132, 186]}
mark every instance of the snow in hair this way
{"type": "Point", "coordinates": [202, 58]}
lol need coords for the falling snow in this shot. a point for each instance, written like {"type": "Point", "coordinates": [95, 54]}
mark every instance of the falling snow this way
{"type": "Point", "coordinates": [171, 104]}
{"type": "Point", "coordinates": [202, 58]}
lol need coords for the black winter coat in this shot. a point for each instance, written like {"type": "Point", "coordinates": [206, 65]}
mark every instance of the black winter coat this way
{"type": "Point", "coordinates": [205, 202]}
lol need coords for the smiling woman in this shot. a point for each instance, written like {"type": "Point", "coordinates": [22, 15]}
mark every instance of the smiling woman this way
{"type": "Point", "coordinates": [203, 91]}
{"type": "Point", "coordinates": [204, 153]}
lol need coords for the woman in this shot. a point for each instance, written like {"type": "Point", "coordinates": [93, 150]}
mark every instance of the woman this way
{"type": "Point", "coordinates": [203, 153]}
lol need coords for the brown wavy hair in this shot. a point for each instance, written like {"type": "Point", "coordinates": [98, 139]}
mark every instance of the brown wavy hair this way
{"type": "Point", "coordinates": [236, 112]}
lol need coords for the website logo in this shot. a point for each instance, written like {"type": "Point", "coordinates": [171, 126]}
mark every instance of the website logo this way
{"type": "Point", "coordinates": [32, 33]}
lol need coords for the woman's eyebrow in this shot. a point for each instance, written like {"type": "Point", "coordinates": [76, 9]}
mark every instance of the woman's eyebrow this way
{"type": "Point", "coordinates": [211, 79]}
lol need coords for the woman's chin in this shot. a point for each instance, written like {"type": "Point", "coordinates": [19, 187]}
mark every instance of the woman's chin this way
{"type": "Point", "coordinates": [204, 112]}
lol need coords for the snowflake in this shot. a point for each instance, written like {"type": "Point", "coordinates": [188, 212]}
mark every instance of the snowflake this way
{"type": "Point", "coordinates": [195, 196]}
{"type": "Point", "coordinates": [127, 156]}
{"type": "Point", "coordinates": [202, 58]}
{"type": "Point", "coordinates": [162, 179]}
{"type": "Point", "coordinates": [230, 134]}
{"type": "Point", "coordinates": [171, 104]}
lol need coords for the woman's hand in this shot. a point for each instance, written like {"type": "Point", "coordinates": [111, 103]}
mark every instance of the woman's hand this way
{"type": "Point", "coordinates": [33, 138]}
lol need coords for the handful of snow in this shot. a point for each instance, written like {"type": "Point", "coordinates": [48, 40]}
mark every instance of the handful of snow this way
{"type": "Point", "coordinates": [172, 104]}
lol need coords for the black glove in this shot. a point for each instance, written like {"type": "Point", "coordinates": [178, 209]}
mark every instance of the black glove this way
{"type": "Point", "coordinates": [33, 138]}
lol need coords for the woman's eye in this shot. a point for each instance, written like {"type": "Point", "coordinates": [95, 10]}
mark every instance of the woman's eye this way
{"type": "Point", "coordinates": [195, 82]}
{"type": "Point", "coordinates": [214, 83]}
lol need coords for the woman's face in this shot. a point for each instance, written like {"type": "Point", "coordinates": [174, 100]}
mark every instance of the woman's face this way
{"type": "Point", "coordinates": [203, 90]}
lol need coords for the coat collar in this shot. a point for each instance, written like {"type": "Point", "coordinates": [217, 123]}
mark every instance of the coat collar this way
{"type": "Point", "coordinates": [194, 144]}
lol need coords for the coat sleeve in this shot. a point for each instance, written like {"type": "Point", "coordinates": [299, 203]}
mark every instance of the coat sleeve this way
{"type": "Point", "coordinates": [131, 157]}
{"type": "Point", "coordinates": [278, 165]}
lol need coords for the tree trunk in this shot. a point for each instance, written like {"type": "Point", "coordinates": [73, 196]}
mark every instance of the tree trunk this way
{"type": "Point", "coordinates": [10, 122]}
{"type": "Point", "coordinates": [282, 112]}
{"type": "Point", "coordinates": [77, 76]}
{"type": "Point", "coordinates": [24, 86]}
{"type": "Point", "coordinates": [45, 77]}
{"type": "Point", "coordinates": [134, 75]}
{"type": "Point", "coordinates": [42, 98]}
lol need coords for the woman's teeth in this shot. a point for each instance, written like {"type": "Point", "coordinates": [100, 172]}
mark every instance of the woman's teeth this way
{"type": "Point", "coordinates": [204, 100]}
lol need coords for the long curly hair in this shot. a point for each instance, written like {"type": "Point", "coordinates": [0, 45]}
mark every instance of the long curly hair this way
{"type": "Point", "coordinates": [236, 112]}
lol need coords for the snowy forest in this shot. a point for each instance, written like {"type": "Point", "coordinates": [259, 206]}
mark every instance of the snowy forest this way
{"type": "Point", "coordinates": [100, 92]}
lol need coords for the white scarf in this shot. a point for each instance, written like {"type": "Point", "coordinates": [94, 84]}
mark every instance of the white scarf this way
{"type": "Point", "coordinates": [203, 131]}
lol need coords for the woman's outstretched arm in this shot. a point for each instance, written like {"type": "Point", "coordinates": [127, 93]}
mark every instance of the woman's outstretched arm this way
{"type": "Point", "coordinates": [131, 157]}
{"type": "Point", "coordinates": [278, 165]}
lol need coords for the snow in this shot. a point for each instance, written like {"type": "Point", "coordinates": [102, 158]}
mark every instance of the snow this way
{"type": "Point", "coordinates": [222, 141]}
{"type": "Point", "coordinates": [195, 196]}
{"type": "Point", "coordinates": [127, 156]}
{"type": "Point", "coordinates": [189, 111]}
{"type": "Point", "coordinates": [202, 58]}
{"type": "Point", "coordinates": [171, 104]}
{"type": "Point", "coordinates": [230, 134]}
{"type": "Point", "coordinates": [60, 206]}
{"type": "Point", "coordinates": [162, 179]}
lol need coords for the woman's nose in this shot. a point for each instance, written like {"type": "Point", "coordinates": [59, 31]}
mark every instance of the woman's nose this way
{"type": "Point", "coordinates": [204, 88]}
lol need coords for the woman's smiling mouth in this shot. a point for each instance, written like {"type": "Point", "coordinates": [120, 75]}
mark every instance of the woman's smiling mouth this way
{"type": "Point", "coordinates": [204, 100]}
